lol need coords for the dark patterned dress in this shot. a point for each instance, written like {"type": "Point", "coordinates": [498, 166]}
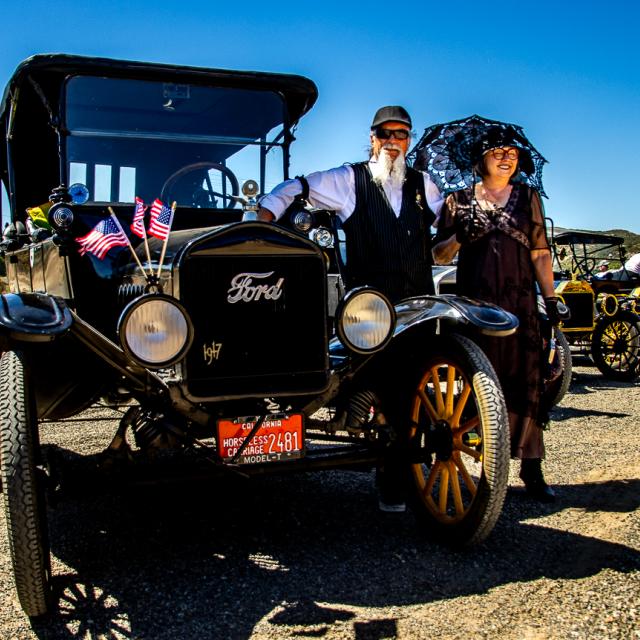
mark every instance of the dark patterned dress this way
{"type": "Point", "coordinates": [497, 267]}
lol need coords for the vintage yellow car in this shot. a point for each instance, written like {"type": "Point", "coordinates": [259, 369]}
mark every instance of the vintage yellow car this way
{"type": "Point", "coordinates": [604, 306]}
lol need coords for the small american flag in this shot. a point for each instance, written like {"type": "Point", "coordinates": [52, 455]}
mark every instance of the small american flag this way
{"type": "Point", "coordinates": [137, 226]}
{"type": "Point", "coordinates": [105, 235]}
{"type": "Point", "coordinates": [161, 219]}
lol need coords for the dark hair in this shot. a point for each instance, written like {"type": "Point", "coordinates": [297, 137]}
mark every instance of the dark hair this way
{"type": "Point", "coordinates": [503, 137]}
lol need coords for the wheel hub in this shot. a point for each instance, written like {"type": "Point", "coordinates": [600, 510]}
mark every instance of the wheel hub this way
{"type": "Point", "coordinates": [441, 440]}
{"type": "Point", "coordinates": [619, 346]}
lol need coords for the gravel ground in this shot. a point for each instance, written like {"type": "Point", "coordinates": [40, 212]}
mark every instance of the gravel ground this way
{"type": "Point", "coordinates": [310, 556]}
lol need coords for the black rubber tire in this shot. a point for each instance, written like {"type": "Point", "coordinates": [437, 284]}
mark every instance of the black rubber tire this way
{"type": "Point", "coordinates": [485, 406]}
{"type": "Point", "coordinates": [615, 346]}
{"type": "Point", "coordinates": [24, 497]}
{"type": "Point", "coordinates": [561, 386]}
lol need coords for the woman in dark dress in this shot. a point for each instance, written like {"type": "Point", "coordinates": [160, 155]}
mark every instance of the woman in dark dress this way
{"type": "Point", "coordinates": [503, 252]}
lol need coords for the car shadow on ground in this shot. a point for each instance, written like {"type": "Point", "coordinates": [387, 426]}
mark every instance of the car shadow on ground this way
{"type": "Point", "coordinates": [592, 381]}
{"type": "Point", "coordinates": [211, 560]}
{"type": "Point", "coordinates": [559, 414]}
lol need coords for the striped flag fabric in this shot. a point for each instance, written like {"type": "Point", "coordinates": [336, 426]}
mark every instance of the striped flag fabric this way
{"type": "Point", "coordinates": [137, 225]}
{"type": "Point", "coordinates": [161, 219]}
{"type": "Point", "coordinates": [104, 236]}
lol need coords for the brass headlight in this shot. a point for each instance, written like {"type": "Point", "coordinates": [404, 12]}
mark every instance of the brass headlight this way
{"type": "Point", "coordinates": [609, 304]}
{"type": "Point", "coordinates": [155, 330]}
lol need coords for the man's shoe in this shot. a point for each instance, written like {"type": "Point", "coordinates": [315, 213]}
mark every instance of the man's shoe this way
{"type": "Point", "coordinates": [531, 475]}
{"type": "Point", "coordinates": [391, 507]}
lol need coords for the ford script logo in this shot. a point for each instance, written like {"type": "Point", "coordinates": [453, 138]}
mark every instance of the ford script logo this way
{"type": "Point", "coordinates": [244, 288]}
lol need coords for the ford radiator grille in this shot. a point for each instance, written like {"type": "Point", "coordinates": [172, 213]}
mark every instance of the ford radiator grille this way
{"type": "Point", "coordinates": [260, 323]}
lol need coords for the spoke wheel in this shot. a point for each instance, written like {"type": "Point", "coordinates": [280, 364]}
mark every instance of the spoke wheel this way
{"type": "Point", "coordinates": [459, 444]}
{"type": "Point", "coordinates": [615, 346]}
{"type": "Point", "coordinates": [23, 483]}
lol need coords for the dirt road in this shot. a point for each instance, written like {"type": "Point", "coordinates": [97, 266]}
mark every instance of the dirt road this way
{"type": "Point", "coordinates": [310, 556]}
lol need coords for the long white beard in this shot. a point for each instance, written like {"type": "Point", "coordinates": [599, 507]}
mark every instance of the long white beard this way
{"type": "Point", "coordinates": [388, 172]}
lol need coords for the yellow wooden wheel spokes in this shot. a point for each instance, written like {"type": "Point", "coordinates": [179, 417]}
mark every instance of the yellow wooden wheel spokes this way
{"type": "Point", "coordinates": [451, 379]}
{"type": "Point", "coordinates": [456, 429]}
{"type": "Point", "coordinates": [444, 394]}
{"type": "Point", "coordinates": [437, 390]}
{"type": "Point", "coordinates": [455, 488]}
{"type": "Point", "coordinates": [428, 407]}
{"type": "Point", "coordinates": [468, 480]}
{"type": "Point", "coordinates": [443, 490]}
{"type": "Point", "coordinates": [431, 480]}
{"type": "Point", "coordinates": [474, 453]}
{"type": "Point", "coordinates": [461, 404]}
{"type": "Point", "coordinates": [467, 426]}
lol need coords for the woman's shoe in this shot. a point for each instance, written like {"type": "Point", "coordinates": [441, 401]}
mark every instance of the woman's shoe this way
{"type": "Point", "coordinates": [531, 475]}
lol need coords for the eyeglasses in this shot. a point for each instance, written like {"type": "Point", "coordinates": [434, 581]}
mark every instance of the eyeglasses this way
{"type": "Point", "coordinates": [501, 154]}
{"type": "Point", "coordinates": [384, 134]}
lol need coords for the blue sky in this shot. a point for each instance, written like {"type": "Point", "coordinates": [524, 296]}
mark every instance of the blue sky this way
{"type": "Point", "coordinates": [568, 72]}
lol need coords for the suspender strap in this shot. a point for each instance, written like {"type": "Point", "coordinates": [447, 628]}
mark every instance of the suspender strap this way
{"type": "Point", "coordinates": [305, 187]}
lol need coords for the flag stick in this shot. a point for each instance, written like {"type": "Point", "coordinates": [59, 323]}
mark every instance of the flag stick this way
{"type": "Point", "coordinates": [174, 204]}
{"type": "Point", "coordinates": [133, 253]}
{"type": "Point", "coordinates": [146, 242]}
{"type": "Point", "coordinates": [146, 246]}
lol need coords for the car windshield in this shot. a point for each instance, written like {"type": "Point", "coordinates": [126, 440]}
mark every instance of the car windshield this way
{"type": "Point", "coordinates": [586, 256]}
{"type": "Point", "coordinates": [183, 142]}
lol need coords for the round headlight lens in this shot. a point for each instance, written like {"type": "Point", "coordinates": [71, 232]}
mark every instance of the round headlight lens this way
{"type": "Point", "coordinates": [302, 220]}
{"type": "Point", "coordinates": [155, 330]}
{"type": "Point", "coordinates": [366, 322]}
{"type": "Point", "coordinates": [60, 217]}
{"type": "Point", "coordinates": [322, 237]}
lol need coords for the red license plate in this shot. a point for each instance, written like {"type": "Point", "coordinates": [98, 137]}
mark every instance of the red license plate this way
{"type": "Point", "coordinates": [279, 438]}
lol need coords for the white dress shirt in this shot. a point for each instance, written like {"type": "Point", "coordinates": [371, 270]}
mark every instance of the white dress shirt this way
{"type": "Point", "coordinates": [335, 189]}
{"type": "Point", "coordinates": [633, 264]}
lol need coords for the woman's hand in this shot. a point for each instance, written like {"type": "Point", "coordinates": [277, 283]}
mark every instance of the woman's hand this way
{"type": "Point", "coordinates": [470, 226]}
{"type": "Point", "coordinates": [551, 303]}
{"type": "Point", "coordinates": [445, 251]}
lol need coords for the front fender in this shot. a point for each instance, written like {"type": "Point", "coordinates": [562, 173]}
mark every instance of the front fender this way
{"type": "Point", "coordinates": [33, 317]}
{"type": "Point", "coordinates": [450, 309]}
{"type": "Point", "coordinates": [485, 317]}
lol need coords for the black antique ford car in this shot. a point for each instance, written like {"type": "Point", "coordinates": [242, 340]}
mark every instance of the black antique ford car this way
{"type": "Point", "coordinates": [214, 333]}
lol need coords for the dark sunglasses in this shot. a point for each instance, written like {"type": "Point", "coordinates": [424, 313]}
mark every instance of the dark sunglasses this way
{"type": "Point", "coordinates": [384, 134]}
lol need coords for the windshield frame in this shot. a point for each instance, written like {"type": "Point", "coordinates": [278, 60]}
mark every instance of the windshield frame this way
{"type": "Point", "coordinates": [281, 134]}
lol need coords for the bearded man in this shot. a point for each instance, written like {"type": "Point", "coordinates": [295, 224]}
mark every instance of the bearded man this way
{"type": "Point", "coordinates": [386, 209]}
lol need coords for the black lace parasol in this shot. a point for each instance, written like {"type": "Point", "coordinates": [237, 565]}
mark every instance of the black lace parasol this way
{"type": "Point", "coordinates": [448, 152]}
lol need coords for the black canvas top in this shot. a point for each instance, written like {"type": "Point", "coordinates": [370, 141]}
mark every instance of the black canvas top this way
{"type": "Point", "coordinates": [586, 237]}
{"type": "Point", "coordinates": [299, 93]}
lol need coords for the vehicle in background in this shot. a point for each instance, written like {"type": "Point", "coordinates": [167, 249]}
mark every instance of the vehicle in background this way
{"type": "Point", "coordinates": [604, 321]}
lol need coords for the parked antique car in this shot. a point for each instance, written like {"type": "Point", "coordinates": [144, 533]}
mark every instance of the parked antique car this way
{"type": "Point", "coordinates": [215, 333]}
{"type": "Point", "coordinates": [603, 319]}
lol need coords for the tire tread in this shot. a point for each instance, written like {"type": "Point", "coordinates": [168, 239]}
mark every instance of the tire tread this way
{"type": "Point", "coordinates": [26, 537]}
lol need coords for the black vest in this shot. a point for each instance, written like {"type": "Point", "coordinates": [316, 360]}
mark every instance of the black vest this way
{"type": "Point", "coordinates": [388, 253]}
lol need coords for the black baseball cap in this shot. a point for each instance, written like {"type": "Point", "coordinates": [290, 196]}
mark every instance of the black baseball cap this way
{"type": "Point", "coordinates": [391, 113]}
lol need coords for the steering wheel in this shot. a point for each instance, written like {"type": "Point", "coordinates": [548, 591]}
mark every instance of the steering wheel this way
{"type": "Point", "coordinates": [585, 266]}
{"type": "Point", "coordinates": [203, 196]}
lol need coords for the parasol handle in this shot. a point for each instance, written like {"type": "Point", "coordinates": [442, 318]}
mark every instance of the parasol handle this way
{"type": "Point", "coordinates": [473, 191]}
